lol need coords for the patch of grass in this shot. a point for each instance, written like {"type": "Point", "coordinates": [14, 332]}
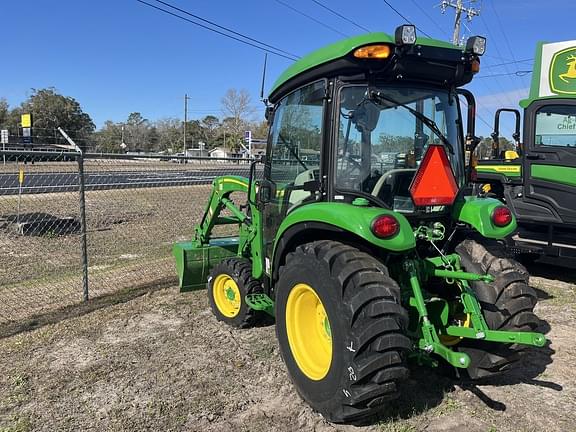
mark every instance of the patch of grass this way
{"type": "Point", "coordinates": [395, 426]}
{"type": "Point", "coordinates": [18, 424]}
{"type": "Point", "coordinates": [449, 405]}
{"type": "Point", "coordinates": [18, 393]}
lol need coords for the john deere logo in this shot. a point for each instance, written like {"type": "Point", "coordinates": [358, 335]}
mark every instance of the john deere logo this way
{"type": "Point", "coordinates": [563, 72]}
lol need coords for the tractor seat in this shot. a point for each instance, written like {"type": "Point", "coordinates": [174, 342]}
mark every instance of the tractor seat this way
{"type": "Point", "coordinates": [299, 195]}
{"type": "Point", "coordinates": [394, 183]}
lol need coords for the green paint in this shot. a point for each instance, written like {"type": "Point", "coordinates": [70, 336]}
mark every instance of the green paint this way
{"type": "Point", "coordinates": [562, 74]}
{"type": "Point", "coordinates": [461, 275]}
{"type": "Point", "coordinates": [356, 220]}
{"type": "Point", "coordinates": [554, 174]}
{"type": "Point", "coordinates": [342, 48]}
{"type": "Point", "coordinates": [477, 212]}
{"type": "Point", "coordinates": [260, 302]}
{"type": "Point", "coordinates": [327, 329]}
{"type": "Point", "coordinates": [230, 294]}
{"type": "Point", "coordinates": [536, 72]}
{"type": "Point", "coordinates": [524, 338]}
{"type": "Point", "coordinates": [561, 79]}
{"type": "Point", "coordinates": [361, 202]}
{"type": "Point", "coordinates": [429, 340]}
{"type": "Point", "coordinates": [193, 263]}
{"type": "Point", "coordinates": [505, 169]}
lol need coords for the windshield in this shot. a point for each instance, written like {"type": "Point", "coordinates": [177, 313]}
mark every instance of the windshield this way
{"type": "Point", "coordinates": [381, 143]}
{"type": "Point", "coordinates": [556, 126]}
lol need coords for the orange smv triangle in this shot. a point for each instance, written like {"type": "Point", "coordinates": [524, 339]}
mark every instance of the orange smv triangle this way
{"type": "Point", "coordinates": [434, 183]}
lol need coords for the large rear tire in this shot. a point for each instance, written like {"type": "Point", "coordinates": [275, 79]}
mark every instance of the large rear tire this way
{"type": "Point", "coordinates": [340, 327]}
{"type": "Point", "coordinates": [507, 304]}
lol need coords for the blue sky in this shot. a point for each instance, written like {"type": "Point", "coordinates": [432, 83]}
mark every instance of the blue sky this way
{"type": "Point", "coordinates": [120, 56]}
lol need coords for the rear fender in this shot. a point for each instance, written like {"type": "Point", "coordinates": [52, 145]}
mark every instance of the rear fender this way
{"type": "Point", "coordinates": [477, 212]}
{"type": "Point", "coordinates": [345, 219]}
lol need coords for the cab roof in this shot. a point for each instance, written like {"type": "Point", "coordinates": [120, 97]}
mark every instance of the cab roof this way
{"type": "Point", "coordinates": [341, 49]}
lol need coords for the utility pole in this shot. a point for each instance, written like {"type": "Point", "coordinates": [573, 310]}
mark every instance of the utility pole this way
{"type": "Point", "coordinates": [185, 121]}
{"type": "Point", "coordinates": [459, 7]}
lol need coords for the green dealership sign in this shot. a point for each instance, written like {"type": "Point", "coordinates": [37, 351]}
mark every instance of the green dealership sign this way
{"type": "Point", "coordinates": [562, 73]}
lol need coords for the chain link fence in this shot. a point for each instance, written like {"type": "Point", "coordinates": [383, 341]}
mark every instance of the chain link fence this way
{"type": "Point", "coordinates": [128, 210]}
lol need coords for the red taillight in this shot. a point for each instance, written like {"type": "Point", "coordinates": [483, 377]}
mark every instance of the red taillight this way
{"type": "Point", "coordinates": [434, 183]}
{"type": "Point", "coordinates": [501, 216]}
{"type": "Point", "coordinates": [385, 226]}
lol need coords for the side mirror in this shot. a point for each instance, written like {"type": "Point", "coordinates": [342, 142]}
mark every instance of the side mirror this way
{"type": "Point", "coordinates": [496, 134]}
{"type": "Point", "coordinates": [251, 178]}
{"type": "Point", "coordinates": [265, 191]}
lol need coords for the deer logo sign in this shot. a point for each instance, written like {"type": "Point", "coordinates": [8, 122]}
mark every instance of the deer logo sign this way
{"type": "Point", "coordinates": [563, 72]}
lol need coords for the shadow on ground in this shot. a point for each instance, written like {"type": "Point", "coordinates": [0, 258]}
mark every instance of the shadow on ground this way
{"type": "Point", "coordinates": [554, 269]}
{"type": "Point", "coordinates": [72, 311]}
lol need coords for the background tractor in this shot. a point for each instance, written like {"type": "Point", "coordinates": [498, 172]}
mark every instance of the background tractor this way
{"type": "Point", "coordinates": [538, 180]}
{"type": "Point", "coordinates": [369, 251]}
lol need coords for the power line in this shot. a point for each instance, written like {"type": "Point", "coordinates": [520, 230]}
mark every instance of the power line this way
{"type": "Point", "coordinates": [225, 28]}
{"type": "Point", "coordinates": [311, 18]}
{"type": "Point", "coordinates": [506, 68]}
{"type": "Point", "coordinates": [345, 18]}
{"type": "Point", "coordinates": [405, 19]}
{"type": "Point", "coordinates": [503, 33]}
{"type": "Point", "coordinates": [262, 48]}
{"type": "Point", "coordinates": [508, 63]}
{"type": "Point", "coordinates": [519, 73]}
{"type": "Point", "coordinates": [438, 26]}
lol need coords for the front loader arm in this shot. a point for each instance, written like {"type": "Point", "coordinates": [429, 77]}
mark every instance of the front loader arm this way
{"type": "Point", "coordinates": [219, 199]}
{"type": "Point", "coordinates": [249, 235]}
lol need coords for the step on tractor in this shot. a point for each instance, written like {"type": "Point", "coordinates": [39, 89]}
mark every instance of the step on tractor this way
{"type": "Point", "coordinates": [361, 237]}
{"type": "Point", "coordinates": [537, 179]}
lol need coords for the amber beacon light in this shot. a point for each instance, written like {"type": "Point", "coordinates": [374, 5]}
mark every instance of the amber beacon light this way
{"type": "Point", "coordinates": [373, 52]}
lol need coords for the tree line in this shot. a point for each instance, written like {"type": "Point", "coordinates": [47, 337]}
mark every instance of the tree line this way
{"type": "Point", "coordinates": [51, 110]}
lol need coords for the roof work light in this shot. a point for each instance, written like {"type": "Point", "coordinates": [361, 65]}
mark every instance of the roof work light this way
{"type": "Point", "coordinates": [476, 45]}
{"type": "Point", "coordinates": [405, 35]}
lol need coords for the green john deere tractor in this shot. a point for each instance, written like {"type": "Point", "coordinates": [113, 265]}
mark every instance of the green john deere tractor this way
{"type": "Point", "coordinates": [538, 180]}
{"type": "Point", "coordinates": [360, 238]}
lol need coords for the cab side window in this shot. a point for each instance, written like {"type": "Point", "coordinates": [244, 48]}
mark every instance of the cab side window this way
{"type": "Point", "coordinates": [296, 137]}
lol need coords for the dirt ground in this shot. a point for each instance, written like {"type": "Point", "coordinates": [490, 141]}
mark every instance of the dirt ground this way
{"type": "Point", "coordinates": [161, 361]}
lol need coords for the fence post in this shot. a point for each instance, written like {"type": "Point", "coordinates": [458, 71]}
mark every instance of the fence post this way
{"type": "Point", "coordinates": [84, 244]}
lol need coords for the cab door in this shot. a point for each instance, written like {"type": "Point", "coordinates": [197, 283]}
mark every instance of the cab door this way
{"type": "Point", "coordinates": [294, 152]}
{"type": "Point", "coordinates": [550, 161]}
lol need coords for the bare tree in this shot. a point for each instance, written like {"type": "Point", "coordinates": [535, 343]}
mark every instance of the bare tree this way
{"type": "Point", "coordinates": [236, 106]}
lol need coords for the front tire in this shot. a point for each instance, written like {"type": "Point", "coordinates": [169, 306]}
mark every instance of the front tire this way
{"type": "Point", "coordinates": [228, 284]}
{"type": "Point", "coordinates": [340, 327]}
{"type": "Point", "coordinates": [507, 304]}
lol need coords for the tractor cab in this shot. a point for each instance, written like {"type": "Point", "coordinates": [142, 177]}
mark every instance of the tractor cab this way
{"type": "Point", "coordinates": [368, 112]}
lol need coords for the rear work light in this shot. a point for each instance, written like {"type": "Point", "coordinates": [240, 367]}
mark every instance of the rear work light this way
{"type": "Point", "coordinates": [385, 226]}
{"type": "Point", "coordinates": [434, 183]}
{"type": "Point", "coordinates": [373, 52]}
{"type": "Point", "coordinates": [501, 216]}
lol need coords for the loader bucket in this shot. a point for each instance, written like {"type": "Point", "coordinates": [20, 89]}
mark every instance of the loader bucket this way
{"type": "Point", "coordinates": [194, 263]}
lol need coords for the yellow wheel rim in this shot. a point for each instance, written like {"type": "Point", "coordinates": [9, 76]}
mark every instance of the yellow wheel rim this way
{"type": "Point", "coordinates": [453, 340]}
{"type": "Point", "coordinates": [226, 295]}
{"type": "Point", "coordinates": [309, 333]}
